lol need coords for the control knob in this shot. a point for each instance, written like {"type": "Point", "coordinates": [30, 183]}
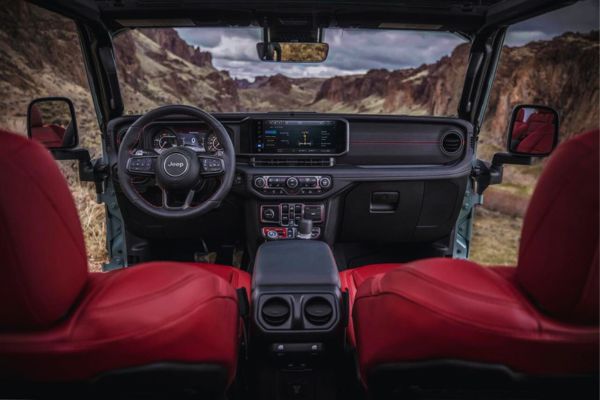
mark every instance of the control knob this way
{"type": "Point", "coordinates": [269, 213]}
{"type": "Point", "coordinates": [260, 182]}
{"type": "Point", "coordinates": [292, 182]}
{"type": "Point", "coordinates": [325, 182]}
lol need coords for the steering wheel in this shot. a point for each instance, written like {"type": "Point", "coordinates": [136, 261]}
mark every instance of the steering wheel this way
{"type": "Point", "coordinates": [177, 169]}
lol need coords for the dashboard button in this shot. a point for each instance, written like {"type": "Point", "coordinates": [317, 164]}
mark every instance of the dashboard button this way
{"type": "Point", "coordinates": [270, 213]}
{"type": "Point", "coordinates": [325, 182]}
{"type": "Point", "coordinates": [259, 182]}
{"type": "Point", "coordinates": [292, 182]}
{"type": "Point", "coordinates": [313, 213]}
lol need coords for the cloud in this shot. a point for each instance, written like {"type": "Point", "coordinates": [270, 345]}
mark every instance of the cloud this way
{"type": "Point", "coordinates": [350, 52]}
{"type": "Point", "coordinates": [579, 17]}
{"type": "Point", "coordinates": [519, 38]}
{"type": "Point", "coordinates": [354, 51]}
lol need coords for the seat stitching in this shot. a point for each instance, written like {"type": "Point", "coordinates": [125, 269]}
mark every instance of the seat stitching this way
{"type": "Point", "coordinates": [143, 298]}
{"type": "Point", "coordinates": [134, 335]}
{"type": "Point", "coordinates": [513, 332]}
{"type": "Point", "coordinates": [466, 293]}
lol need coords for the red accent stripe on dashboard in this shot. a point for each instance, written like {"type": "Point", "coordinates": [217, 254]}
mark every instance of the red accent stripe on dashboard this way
{"type": "Point", "coordinates": [395, 142]}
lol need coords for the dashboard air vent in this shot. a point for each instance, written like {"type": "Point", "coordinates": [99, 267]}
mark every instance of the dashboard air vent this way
{"type": "Point", "coordinates": [451, 143]}
{"type": "Point", "coordinates": [292, 162]}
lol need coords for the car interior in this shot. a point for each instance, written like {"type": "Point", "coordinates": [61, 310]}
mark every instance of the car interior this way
{"type": "Point", "coordinates": [340, 268]}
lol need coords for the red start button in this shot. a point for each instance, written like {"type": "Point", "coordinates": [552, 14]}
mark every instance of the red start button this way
{"type": "Point", "coordinates": [275, 232]}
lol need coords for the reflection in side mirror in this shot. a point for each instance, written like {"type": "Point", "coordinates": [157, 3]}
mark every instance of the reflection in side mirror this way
{"type": "Point", "coordinates": [292, 52]}
{"type": "Point", "coordinates": [51, 121]}
{"type": "Point", "coordinates": [533, 130]}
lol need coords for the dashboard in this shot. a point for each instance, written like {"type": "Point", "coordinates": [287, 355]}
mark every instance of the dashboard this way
{"type": "Point", "coordinates": [360, 178]}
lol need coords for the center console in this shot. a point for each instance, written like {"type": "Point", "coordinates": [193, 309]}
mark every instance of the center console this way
{"type": "Point", "coordinates": [281, 220]}
{"type": "Point", "coordinates": [298, 314]}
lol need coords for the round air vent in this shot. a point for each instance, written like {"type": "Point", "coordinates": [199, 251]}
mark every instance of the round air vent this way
{"type": "Point", "coordinates": [275, 311]}
{"type": "Point", "coordinates": [451, 143]}
{"type": "Point", "coordinates": [318, 311]}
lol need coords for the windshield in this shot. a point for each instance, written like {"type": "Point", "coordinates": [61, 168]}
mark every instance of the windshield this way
{"type": "Point", "coordinates": [366, 71]}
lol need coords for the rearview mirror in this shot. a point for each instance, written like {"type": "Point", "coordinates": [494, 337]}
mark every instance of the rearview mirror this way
{"type": "Point", "coordinates": [51, 122]}
{"type": "Point", "coordinates": [292, 52]}
{"type": "Point", "coordinates": [533, 130]}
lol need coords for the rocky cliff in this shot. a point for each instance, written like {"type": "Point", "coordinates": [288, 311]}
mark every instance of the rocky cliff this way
{"type": "Point", "coordinates": [39, 56]}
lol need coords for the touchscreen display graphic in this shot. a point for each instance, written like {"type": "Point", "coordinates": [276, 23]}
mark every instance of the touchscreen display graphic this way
{"type": "Point", "coordinates": [299, 136]}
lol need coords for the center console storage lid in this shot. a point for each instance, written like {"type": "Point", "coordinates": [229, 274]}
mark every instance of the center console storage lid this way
{"type": "Point", "coordinates": [293, 263]}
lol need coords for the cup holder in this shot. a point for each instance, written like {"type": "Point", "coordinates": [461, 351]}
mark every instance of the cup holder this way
{"type": "Point", "coordinates": [318, 311]}
{"type": "Point", "coordinates": [275, 311]}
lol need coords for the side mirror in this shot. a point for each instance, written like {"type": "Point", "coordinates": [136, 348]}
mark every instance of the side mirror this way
{"type": "Point", "coordinates": [292, 52]}
{"type": "Point", "coordinates": [533, 131]}
{"type": "Point", "coordinates": [51, 121]}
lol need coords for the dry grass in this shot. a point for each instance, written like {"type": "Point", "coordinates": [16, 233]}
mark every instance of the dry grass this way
{"type": "Point", "coordinates": [496, 238]}
{"type": "Point", "coordinates": [91, 215]}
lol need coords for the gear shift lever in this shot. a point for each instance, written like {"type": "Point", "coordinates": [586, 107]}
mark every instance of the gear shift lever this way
{"type": "Point", "coordinates": [305, 229]}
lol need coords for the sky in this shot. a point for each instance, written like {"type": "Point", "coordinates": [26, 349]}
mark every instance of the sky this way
{"type": "Point", "coordinates": [357, 51]}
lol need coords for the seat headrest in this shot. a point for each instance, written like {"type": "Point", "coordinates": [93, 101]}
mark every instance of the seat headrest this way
{"type": "Point", "coordinates": [558, 255]}
{"type": "Point", "coordinates": [44, 264]}
{"type": "Point", "coordinates": [36, 117]}
{"type": "Point", "coordinates": [520, 115]}
{"type": "Point", "coordinates": [545, 118]}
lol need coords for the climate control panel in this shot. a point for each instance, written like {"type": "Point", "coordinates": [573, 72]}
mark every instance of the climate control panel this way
{"type": "Point", "coordinates": [287, 185]}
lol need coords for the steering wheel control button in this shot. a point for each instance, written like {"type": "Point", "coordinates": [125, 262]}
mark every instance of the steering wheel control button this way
{"type": "Point", "coordinates": [140, 164]}
{"type": "Point", "coordinates": [176, 165]}
{"type": "Point", "coordinates": [211, 165]}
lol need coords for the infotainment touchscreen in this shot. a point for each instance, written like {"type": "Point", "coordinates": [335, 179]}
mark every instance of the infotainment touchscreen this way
{"type": "Point", "coordinates": [291, 136]}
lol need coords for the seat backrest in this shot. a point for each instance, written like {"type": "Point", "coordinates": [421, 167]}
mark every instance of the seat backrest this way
{"type": "Point", "coordinates": [539, 140]}
{"type": "Point", "coordinates": [44, 264]}
{"type": "Point", "coordinates": [36, 117]}
{"type": "Point", "coordinates": [558, 255]}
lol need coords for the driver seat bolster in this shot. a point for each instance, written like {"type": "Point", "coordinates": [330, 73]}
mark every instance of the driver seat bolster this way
{"type": "Point", "coordinates": [142, 315]}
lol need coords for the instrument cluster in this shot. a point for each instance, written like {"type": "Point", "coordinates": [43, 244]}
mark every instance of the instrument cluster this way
{"type": "Point", "coordinates": [197, 138]}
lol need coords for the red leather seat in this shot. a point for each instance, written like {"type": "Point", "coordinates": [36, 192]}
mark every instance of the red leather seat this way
{"type": "Point", "coordinates": [540, 318]}
{"type": "Point", "coordinates": [539, 135]}
{"type": "Point", "coordinates": [60, 323]}
{"type": "Point", "coordinates": [49, 135]}
{"type": "Point", "coordinates": [520, 126]}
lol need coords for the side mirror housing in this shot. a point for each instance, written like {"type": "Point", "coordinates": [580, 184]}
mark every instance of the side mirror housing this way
{"type": "Point", "coordinates": [532, 131]}
{"type": "Point", "coordinates": [51, 122]}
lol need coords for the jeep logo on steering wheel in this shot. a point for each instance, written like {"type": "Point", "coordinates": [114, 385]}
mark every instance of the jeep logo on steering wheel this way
{"type": "Point", "coordinates": [176, 164]}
